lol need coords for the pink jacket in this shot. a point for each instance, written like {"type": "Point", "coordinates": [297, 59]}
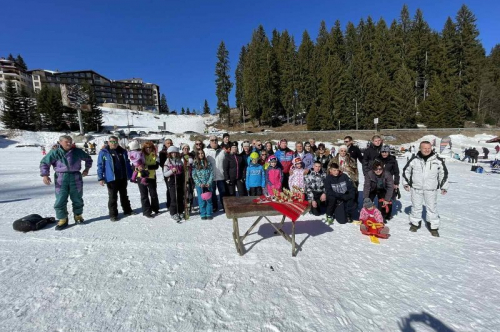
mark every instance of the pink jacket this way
{"type": "Point", "coordinates": [374, 213]}
{"type": "Point", "coordinates": [136, 158]}
{"type": "Point", "coordinates": [274, 179]}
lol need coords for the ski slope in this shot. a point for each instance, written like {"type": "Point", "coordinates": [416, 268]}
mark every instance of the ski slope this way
{"type": "Point", "coordinates": [156, 275]}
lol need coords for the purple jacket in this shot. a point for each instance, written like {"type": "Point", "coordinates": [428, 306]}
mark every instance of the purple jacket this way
{"type": "Point", "coordinates": [64, 161]}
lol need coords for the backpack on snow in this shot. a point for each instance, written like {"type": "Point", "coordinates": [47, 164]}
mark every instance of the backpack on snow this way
{"type": "Point", "coordinates": [32, 222]}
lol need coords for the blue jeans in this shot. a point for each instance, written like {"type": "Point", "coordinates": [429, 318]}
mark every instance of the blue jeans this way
{"type": "Point", "coordinates": [218, 185]}
{"type": "Point", "coordinates": [205, 206]}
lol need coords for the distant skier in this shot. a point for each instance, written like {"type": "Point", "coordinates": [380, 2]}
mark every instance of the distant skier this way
{"type": "Point", "coordinates": [66, 161]}
{"type": "Point", "coordinates": [425, 174]}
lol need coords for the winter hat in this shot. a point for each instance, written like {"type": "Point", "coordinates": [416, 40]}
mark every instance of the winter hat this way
{"type": "Point", "coordinates": [245, 144]}
{"type": "Point", "coordinates": [235, 143]}
{"type": "Point", "coordinates": [272, 158]}
{"type": "Point", "coordinates": [367, 203]}
{"type": "Point", "coordinates": [134, 145]}
{"type": "Point", "coordinates": [184, 145]}
{"type": "Point", "coordinates": [343, 147]}
{"type": "Point", "coordinates": [297, 160]}
{"type": "Point", "coordinates": [254, 155]}
{"type": "Point", "coordinates": [173, 149]}
{"type": "Point", "coordinates": [385, 148]}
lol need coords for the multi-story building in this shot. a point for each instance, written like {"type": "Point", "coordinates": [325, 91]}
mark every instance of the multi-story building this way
{"type": "Point", "coordinates": [131, 93]}
{"type": "Point", "coordinates": [11, 71]}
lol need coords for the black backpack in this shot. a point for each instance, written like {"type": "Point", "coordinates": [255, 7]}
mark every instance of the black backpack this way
{"type": "Point", "coordinates": [33, 222]}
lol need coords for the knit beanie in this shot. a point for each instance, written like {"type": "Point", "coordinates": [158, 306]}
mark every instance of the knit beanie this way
{"type": "Point", "coordinates": [367, 203]}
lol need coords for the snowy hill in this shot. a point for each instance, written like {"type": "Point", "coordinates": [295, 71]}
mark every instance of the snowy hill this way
{"type": "Point", "coordinates": [146, 121]}
{"type": "Point", "coordinates": [156, 275]}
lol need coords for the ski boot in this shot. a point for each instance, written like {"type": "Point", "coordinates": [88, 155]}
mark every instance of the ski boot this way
{"type": "Point", "coordinates": [79, 219]}
{"type": "Point", "coordinates": [413, 228]}
{"type": "Point", "coordinates": [329, 220]}
{"type": "Point", "coordinates": [434, 232]}
{"type": "Point", "coordinates": [62, 224]}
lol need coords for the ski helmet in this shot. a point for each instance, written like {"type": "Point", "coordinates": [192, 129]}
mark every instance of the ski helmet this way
{"type": "Point", "coordinates": [254, 155]}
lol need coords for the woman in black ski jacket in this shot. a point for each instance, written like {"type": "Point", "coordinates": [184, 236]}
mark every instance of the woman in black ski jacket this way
{"type": "Point", "coordinates": [234, 166]}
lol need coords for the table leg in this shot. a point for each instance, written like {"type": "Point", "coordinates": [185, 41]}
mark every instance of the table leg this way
{"type": "Point", "coordinates": [281, 224]}
{"type": "Point", "coordinates": [236, 237]}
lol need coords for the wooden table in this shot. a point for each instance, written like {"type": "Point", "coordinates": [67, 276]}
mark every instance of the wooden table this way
{"type": "Point", "coordinates": [242, 207]}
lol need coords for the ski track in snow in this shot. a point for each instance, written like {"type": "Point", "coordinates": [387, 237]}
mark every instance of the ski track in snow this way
{"type": "Point", "coordinates": [155, 275]}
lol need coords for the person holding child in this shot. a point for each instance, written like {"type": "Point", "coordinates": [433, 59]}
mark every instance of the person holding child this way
{"type": "Point", "coordinates": [379, 183]}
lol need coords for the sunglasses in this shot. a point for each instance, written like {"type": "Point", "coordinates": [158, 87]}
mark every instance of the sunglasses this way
{"type": "Point", "coordinates": [113, 142]}
{"type": "Point", "coordinates": [197, 143]}
{"type": "Point", "coordinates": [213, 140]}
{"type": "Point", "coordinates": [385, 151]}
{"type": "Point", "coordinates": [379, 169]}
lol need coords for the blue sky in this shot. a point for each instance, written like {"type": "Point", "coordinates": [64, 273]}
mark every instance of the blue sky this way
{"type": "Point", "coordinates": [174, 43]}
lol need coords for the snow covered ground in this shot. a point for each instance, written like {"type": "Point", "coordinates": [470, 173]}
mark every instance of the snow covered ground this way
{"type": "Point", "coordinates": [156, 275]}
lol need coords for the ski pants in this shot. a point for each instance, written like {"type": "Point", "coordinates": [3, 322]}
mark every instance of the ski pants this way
{"type": "Point", "coordinates": [219, 184]}
{"type": "Point", "coordinates": [176, 191]}
{"type": "Point", "coordinates": [429, 199]}
{"type": "Point", "coordinates": [147, 190]}
{"type": "Point", "coordinates": [68, 185]}
{"type": "Point", "coordinates": [255, 191]}
{"type": "Point", "coordinates": [316, 197]}
{"type": "Point", "coordinates": [231, 188]}
{"type": "Point", "coordinates": [116, 187]}
{"type": "Point", "coordinates": [205, 206]}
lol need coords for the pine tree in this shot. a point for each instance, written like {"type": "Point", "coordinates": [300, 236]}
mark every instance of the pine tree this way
{"type": "Point", "coordinates": [306, 87]}
{"type": "Point", "coordinates": [11, 113]}
{"type": "Point", "coordinates": [11, 57]}
{"type": "Point", "coordinates": [28, 116]}
{"type": "Point", "coordinates": [239, 93]}
{"type": "Point", "coordinates": [206, 109]}
{"type": "Point", "coordinates": [51, 110]}
{"type": "Point", "coordinates": [92, 118]}
{"type": "Point", "coordinates": [163, 104]}
{"type": "Point", "coordinates": [183, 111]}
{"type": "Point", "coordinates": [20, 62]}
{"type": "Point", "coordinates": [223, 82]}
{"type": "Point", "coordinates": [403, 111]}
{"type": "Point", "coordinates": [188, 112]}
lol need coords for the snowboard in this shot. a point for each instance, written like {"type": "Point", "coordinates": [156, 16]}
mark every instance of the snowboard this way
{"type": "Point", "coordinates": [186, 187]}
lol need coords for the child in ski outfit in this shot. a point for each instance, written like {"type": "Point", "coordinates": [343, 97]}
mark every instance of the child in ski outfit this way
{"type": "Point", "coordinates": [256, 177]}
{"type": "Point", "coordinates": [173, 170]}
{"type": "Point", "coordinates": [369, 214]}
{"type": "Point", "coordinates": [274, 175]}
{"type": "Point", "coordinates": [296, 178]}
{"type": "Point", "coordinates": [137, 159]}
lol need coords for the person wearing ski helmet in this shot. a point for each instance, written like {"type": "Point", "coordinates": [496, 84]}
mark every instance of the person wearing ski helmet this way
{"type": "Point", "coordinates": [173, 171]}
{"type": "Point", "coordinates": [296, 178]}
{"type": "Point", "coordinates": [256, 177]}
{"type": "Point", "coordinates": [274, 176]}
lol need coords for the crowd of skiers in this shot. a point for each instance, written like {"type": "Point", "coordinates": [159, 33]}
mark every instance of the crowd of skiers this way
{"type": "Point", "coordinates": [329, 178]}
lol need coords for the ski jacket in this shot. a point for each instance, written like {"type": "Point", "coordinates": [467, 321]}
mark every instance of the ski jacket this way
{"type": "Point", "coordinates": [308, 160]}
{"type": "Point", "coordinates": [296, 178]}
{"type": "Point", "coordinates": [170, 165]}
{"type": "Point", "coordinates": [430, 174]}
{"type": "Point", "coordinates": [374, 213]}
{"type": "Point", "coordinates": [106, 166]}
{"type": "Point", "coordinates": [374, 183]}
{"type": "Point", "coordinates": [255, 177]}
{"type": "Point", "coordinates": [216, 158]}
{"type": "Point", "coordinates": [274, 179]}
{"type": "Point", "coordinates": [347, 165]}
{"type": "Point", "coordinates": [285, 158]}
{"type": "Point", "coordinates": [369, 156]}
{"type": "Point", "coordinates": [355, 153]}
{"type": "Point", "coordinates": [137, 158]}
{"type": "Point", "coordinates": [390, 165]}
{"type": "Point", "coordinates": [234, 167]}
{"type": "Point", "coordinates": [64, 161]}
{"type": "Point", "coordinates": [473, 153]}
{"type": "Point", "coordinates": [151, 165]}
{"type": "Point", "coordinates": [339, 187]}
{"type": "Point", "coordinates": [324, 159]}
{"type": "Point", "coordinates": [203, 175]}
{"type": "Point", "coordinates": [315, 183]}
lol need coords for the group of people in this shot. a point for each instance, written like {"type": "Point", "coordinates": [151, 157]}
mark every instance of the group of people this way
{"type": "Point", "coordinates": [329, 180]}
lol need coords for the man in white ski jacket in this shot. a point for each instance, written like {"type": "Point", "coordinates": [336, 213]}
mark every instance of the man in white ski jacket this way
{"type": "Point", "coordinates": [215, 155]}
{"type": "Point", "coordinates": [425, 175]}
